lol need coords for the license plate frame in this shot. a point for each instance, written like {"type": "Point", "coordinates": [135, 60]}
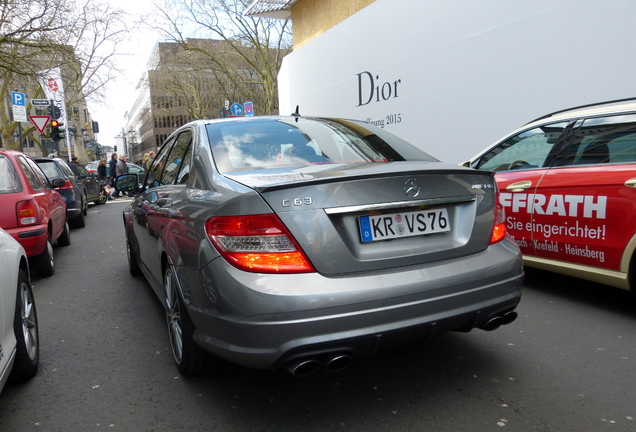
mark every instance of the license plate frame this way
{"type": "Point", "coordinates": [390, 226]}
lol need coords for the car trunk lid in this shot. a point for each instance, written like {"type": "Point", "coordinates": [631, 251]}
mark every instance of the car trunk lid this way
{"type": "Point", "coordinates": [369, 216]}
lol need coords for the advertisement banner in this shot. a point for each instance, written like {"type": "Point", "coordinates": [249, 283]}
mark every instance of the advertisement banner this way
{"type": "Point", "coordinates": [51, 82]}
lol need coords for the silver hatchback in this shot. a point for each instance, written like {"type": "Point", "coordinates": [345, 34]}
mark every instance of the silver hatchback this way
{"type": "Point", "coordinates": [304, 242]}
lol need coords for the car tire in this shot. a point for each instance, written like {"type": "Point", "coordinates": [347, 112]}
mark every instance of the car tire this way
{"type": "Point", "coordinates": [190, 359]}
{"type": "Point", "coordinates": [65, 238]}
{"type": "Point", "coordinates": [133, 264]}
{"type": "Point", "coordinates": [84, 204]}
{"type": "Point", "coordinates": [103, 198]}
{"type": "Point", "coordinates": [44, 264]}
{"type": "Point", "coordinates": [25, 327]}
{"type": "Point", "coordinates": [79, 221]}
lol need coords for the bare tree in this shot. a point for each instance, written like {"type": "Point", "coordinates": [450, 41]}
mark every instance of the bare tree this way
{"type": "Point", "coordinates": [36, 35]}
{"type": "Point", "coordinates": [92, 39]}
{"type": "Point", "coordinates": [253, 49]}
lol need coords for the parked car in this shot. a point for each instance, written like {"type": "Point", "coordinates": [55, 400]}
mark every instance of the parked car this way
{"type": "Point", "coordinates": [93, 188]}
{"type": "Point", "coordinates": [73, 190]}
{"type": "Point", "coordinates": [132, 169]}
{"type": "Point", "coordinates": [304, 242]}
{"type": "Point", "coordinates": [20, 343]}
{"type": "Point", "coordinates": [568, 183]}
{"type": "Point", "coordinates": [31, 210]}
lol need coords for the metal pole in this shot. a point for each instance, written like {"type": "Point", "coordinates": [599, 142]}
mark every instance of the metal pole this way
{"type": "Point", "coordinates": [20, 137]}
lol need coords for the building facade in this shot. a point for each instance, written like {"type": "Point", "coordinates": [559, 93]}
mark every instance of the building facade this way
{"type": "Point", "coordinates": [179, 86]}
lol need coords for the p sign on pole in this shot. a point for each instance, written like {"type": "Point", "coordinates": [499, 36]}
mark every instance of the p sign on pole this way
{"type": "Point", "coordinates": [18, 101]}
{"type": "Point", "coordinates": [18, 98]}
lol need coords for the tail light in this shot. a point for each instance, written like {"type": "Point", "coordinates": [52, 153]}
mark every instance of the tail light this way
{"type": "Point", "coordinates": [499, 228]}
{"type": "Point", "coordinates": [27, 213]}
{"type": "Point", "coordinates": [67, 185]}
{"type": "Point", "coordinates": [257, 243]}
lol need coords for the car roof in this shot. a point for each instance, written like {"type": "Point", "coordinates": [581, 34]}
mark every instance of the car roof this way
{"type": "Point", "coordinates": [612, 107]}
{"type": "Point", "coordinates": [600, 108]}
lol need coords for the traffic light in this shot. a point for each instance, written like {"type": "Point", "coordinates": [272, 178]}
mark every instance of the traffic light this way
{"type": "Point", "coordinates": [53, 111]}
{"type": "Point", "coordinates": [56, 132]}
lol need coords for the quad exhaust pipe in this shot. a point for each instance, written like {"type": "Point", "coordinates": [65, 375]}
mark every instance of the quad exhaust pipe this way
{"type": "Point", "coordinates": [335, 362]}
{"type": "Point", "coordinates": [306, 366]}
{"type": "Point", "coordinates": [498, 320]}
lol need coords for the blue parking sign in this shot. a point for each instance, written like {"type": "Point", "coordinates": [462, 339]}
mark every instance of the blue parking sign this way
{"type": "Point", "coordinates": [18, 98]}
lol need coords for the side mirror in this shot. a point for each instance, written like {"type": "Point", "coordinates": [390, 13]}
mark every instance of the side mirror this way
{"type": "Point", "coordinates": [127, 183]}
{"type": "Point", "coordinates": [58, 182]}
{"type": "Point", "coordinates": [465, 164]}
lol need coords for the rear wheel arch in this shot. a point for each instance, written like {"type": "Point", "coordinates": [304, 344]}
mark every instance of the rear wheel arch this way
{"type": "Point", "coordinates": [188, 357]}
{"type": "Point", "coordinates": [628, 263]}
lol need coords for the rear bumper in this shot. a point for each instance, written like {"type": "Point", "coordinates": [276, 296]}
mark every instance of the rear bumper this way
{"type": "Point", "coordinates": [267, 321]}
{"type": "Point", "coordinates": [33, 239]}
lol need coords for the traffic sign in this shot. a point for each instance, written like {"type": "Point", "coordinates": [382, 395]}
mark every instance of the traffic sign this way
{"type": "Point", "coordinates": [40, 102]}
{"type": "Point", "coordinates": [19, 113]}
{"type": "Point", "coordinates": [236, 109]}
{"type": "Point", "coordinates": [18, 98]}
{"type": "Point", "coordinates": [249, 108]}
{"type": "Point", "coordinates": [40, 122]}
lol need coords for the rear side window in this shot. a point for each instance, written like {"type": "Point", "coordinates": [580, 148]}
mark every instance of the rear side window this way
{"type": "Point", "coordinates": [527, 150]}
{"type": "Point", "coordinates": [607, 140]}
{"type": "Point", "coordinates": [39, 174]}
{"type": "Point", "coordinates": [9, 182]}
{"type": "Point", "coordinates": [176, 157]}
{"type": "Point", "coordinates": [153, 178]}
{"type": "Point", "coordinates": [81, 171]}
{"type": "Point", "coordinates": [65, 168]}
{"type": "Point", "coordinates": [51, 169]}
{"type": "Point", "coordinates": [32, 178]}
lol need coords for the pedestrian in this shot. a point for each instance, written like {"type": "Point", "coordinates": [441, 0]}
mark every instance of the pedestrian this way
{"type": "Point", "coordinates": [112, 168]}
{"type": "Point", "coordinates": [74, 160]}
{"type": "Point", "coordinates": [122, 167]}
{"type": "Point", "coordinates": [151, 157]}
{"type": "Point", "coordinates": [101, 171]}
{"type": "Point", "coordinates": [144, 160]}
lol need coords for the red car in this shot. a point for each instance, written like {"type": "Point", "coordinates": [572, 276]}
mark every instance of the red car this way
{"type": "Point", "coordinates": [31, 210]}
{"type": "Point", "coordinates": [568, 185]}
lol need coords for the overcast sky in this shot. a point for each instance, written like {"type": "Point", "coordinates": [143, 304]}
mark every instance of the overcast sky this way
{"type": "Point", "coordinates": [121, 93]}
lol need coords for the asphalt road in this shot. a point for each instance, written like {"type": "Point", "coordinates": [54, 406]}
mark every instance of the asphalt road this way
{"type": "Point", "coordinates": [567, 364]}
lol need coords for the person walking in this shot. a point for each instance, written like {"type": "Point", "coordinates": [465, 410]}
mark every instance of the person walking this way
{"type": "Point", "coordinates": [144, 160]}
{"type": "Point", "coordinates": [121, 168]}
{"type": "Point", "coordinates": [112, 168]}
{"type": "Point", "coordinates": [148, 163]}
{"type": "Point", "coordinates": [101, 171]}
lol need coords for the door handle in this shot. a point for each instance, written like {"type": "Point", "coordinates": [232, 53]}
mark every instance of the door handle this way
{"type": "Point", "coordinates": [631, 183]}
{"type": "Point", "coordinates": [519, 186]}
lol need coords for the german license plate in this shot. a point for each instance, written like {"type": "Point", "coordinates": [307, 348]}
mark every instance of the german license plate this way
{"type": "Point", "coordinates": [408, 224]}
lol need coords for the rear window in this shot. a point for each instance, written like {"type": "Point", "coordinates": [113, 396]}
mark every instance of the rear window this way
{"type": "Point", "coordinates": [51, 169]}
{"type": "Point", "coordinates": [274, 142]}
{"type": "Point", "coordinates": [9, 182]}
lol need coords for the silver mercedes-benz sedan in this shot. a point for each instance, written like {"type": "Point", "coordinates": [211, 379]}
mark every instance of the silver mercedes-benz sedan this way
{"type": "Point", "coordinates": [305, 242]}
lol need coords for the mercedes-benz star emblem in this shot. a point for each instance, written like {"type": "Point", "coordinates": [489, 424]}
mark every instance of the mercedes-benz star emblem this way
{"type": "Point", "coordinates": [411, 188]}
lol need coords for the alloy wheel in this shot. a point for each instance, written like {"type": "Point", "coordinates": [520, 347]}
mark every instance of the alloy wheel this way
{"type": "Point", "coordinates": [173, 315]}
{"type": "Point", "coordinates": [29, 321]}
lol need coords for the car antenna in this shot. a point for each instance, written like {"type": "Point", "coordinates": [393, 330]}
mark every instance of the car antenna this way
{"type": "Point", "coordinates": [296, 113]}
